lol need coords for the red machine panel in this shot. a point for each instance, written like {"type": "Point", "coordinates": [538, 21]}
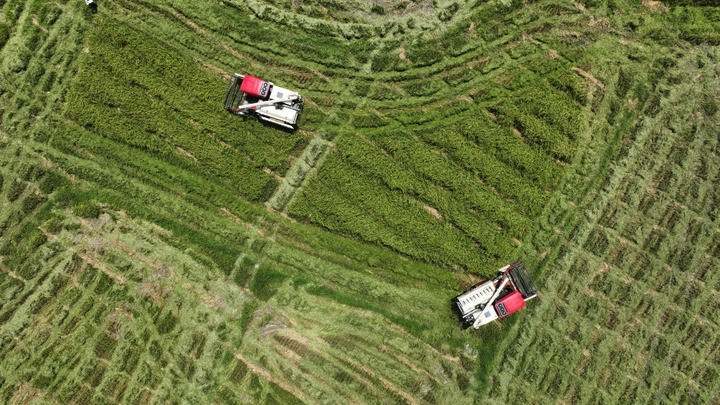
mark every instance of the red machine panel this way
{"type": "Point", "coordinates": [509, 304]}
{"type": "Point", "coordinates": [255, 86]}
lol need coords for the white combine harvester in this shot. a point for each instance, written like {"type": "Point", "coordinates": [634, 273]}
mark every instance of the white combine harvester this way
{"type": "Point", "coordinates": [497, 298]}
{"type": "Point", "coordinates": [250, 95]}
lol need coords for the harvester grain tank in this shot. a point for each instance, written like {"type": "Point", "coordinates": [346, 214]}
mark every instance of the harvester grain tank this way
{"type": "Point", "coordinates": [497, 298]}
{"type": "Point", "coordinates": [252, 96]}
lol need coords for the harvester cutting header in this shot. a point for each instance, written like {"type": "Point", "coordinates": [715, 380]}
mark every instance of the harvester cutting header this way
{"type": "Point", "coordinates": [253, 96]}
{"type": "Point", "coordinates": [497, 298]}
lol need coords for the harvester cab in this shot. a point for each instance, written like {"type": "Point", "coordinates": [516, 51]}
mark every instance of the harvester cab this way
{"type": "Point", "coordinates": [251, 96]}
{"type": "Point", "coordinates": [497, 298]}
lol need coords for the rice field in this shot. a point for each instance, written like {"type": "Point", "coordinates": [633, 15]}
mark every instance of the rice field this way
{"type": "Point", "coordinates": [156, 249]}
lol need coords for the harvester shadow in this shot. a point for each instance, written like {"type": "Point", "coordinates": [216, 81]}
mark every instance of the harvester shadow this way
{"type": "Point", "coordinates": [270, 124]}
{"type": "Point", "coordinates": [278, 126]}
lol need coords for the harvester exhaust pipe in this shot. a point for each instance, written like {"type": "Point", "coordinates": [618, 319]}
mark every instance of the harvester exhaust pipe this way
{"type": "Point", "coordinates": [264, 103]}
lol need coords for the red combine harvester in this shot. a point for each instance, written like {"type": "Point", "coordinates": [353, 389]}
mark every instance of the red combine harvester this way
{"type": "Point", "coordinates": [252, 96]}
{"type": "Point", "coordinates": [497, 298]}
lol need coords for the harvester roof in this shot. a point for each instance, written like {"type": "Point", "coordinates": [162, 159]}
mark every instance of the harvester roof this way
{"type": "Point", "coordinates": [255, 86]}
{"type": "Point", "coordinates": [509, 304]}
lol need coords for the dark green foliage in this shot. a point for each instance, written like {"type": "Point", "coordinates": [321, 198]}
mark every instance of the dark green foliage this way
{"type": "Point", "coordinates": [279, 396]}
{"type": "Point", "coordinates": [382, 61]}
{"type": "Point", "coordinates": [448, 12]}
{"type": "Point", "coordinates": [186, 365]}
{"type": "Point", "coordinates": [198, 345]}
{"type": "Point", "coordinates": [424, 87]}
{"type": "Point", "coordinates": [95, 374]}
{"type": "Point", "coordinates": [701, 3]}
{"type": "Point", "coordinates": [624, 82]}
{"type": "Point", "coordinates": [23, 243]}
{"type": "Point", "coordinates": [248, 311]}
{"type": "Point", "coordinates": [104, 283]}
{"type": "Point", "coordinates": [31, 202]}
{"type": "Point", "coordinates": [105, 345]}
{"type": "Point", "coordinates": [15, 190]}
{"type": "Point", "coordinates": [88, 209]}
{"type": "Point", "coordinates": [255, 388]}
{"type": "Point", "coordinates": [377, 9]}
{"type": "Point", "coordinates": [167, 323]}
{"type": "Point", "coordinates": [258, 245]}
{"type": "Point", "coordinates": [368, 120]}
{"type": "Point", "coordinates": [425, 53]}
{"type": "Point", "coordinates": [266, 281]}
{"type": "Point", "coordinates": [84, 395]}
{"type": "Point", "coordinates": [572, 85]}
{"type": "Point", "coordinates": [226, 394]}
{"type": "Point", "coordinates": [6, 315]}
{"type": "Point", "coordinates": [710, 106]}
{"type": "Point", "coordinates": [238, 372]}
{"type": "Point", "coordinates": [5, 29]}
{"type": "Point", "coordinates": [244, 271]}
{"type": "Point", "coordinates": [158, 355]}
{"type": "Point", "coordinates": [52, 181]}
